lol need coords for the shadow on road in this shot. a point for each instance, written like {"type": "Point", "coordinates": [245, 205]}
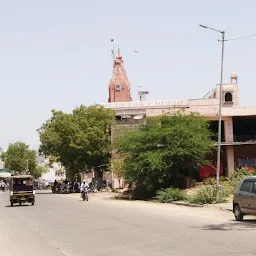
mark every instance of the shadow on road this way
{"type": "Point", "coordinates": [44, 192]}
{"type": "Point", "coordinates": [48, 192]}
{"type": "Point", "coordinates": [228, 226]}
{"type": "Point", "coordinates": [17, 205]}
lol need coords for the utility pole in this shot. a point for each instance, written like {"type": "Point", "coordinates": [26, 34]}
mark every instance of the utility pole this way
{"type": "Point", "coordinates": [220, 110]}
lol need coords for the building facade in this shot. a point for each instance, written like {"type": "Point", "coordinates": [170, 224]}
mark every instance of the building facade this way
{"type": "Point", "coordinates": [238, 122]}
{"type": "Point", "coordinates": [55, 171]}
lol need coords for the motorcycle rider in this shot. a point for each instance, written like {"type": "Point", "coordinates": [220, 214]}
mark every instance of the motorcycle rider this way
{"type": "Point", "coordinates": [2, 185]}
{"type": "Point", "coordinates": [84, 186]}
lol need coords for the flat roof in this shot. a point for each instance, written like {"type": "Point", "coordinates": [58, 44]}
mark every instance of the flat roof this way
{"type": "Point", "coordinates": [22, 177]}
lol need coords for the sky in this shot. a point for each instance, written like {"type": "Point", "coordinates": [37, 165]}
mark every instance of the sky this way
{"type": "Point", "coordinates": [56, 54]}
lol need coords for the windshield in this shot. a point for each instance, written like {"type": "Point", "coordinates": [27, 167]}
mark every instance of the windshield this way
{"type": "Point", "coordinates": [22, 185]}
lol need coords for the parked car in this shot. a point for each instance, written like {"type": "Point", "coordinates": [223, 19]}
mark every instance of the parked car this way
{"type": "Point", "coordinates": [244, 201]}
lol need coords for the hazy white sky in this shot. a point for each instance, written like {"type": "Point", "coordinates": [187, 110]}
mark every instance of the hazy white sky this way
{"type": "Point", "coordinates": [56, 53]}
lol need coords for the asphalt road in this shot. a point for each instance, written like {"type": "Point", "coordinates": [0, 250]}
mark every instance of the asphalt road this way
{"type": "Point", "coordinates": [60, 225]}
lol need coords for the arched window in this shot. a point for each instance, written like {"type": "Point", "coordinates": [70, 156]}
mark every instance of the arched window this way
{"type": "Point", "coordinates": [228, 97]}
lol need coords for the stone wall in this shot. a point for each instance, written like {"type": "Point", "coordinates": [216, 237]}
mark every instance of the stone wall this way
{"type": "Point", "coordinates": [119, 128]}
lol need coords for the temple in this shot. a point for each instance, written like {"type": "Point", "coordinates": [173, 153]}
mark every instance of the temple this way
{"type": "Point", "coordinates": [119, 85]}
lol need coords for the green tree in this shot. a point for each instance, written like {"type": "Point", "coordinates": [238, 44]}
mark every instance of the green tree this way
{"type": "Point", "coordinates": [79, 140]}
{"type": "Point", "coordinates": [162, 148]}
{"type": "Point", "coordinates": [21, 159]}
{"type": "Point", "coordinates": [39, 170]}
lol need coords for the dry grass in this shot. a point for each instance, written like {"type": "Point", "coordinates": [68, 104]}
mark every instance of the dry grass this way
{"type": "Point", "coordinates": [228, 184]}
{"type": "Point", "coordinates": [193, 191]}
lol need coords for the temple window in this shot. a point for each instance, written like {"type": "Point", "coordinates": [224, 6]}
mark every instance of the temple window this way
{"type": "Point", "coordinates": [228, 97]}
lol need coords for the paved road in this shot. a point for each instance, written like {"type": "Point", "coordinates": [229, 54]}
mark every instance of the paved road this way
{"type": "Point", "coordinates": [61, 225]}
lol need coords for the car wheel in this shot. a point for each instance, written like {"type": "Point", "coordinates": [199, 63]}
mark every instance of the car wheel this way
{"type": "Point", "coordinates": [238, 213]}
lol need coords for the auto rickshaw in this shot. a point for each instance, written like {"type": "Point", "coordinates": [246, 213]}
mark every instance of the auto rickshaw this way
{"type": "Point", "coordinates": [22, 189]}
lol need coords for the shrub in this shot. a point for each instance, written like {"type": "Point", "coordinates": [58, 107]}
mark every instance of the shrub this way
{"type": "Point", "coordinates": [143, 192]}
{"type": "Point", "coordinates": [209, 181]}
{"type": "Point", "coordinates": [212, 180]}
{"type": "Point", "coordinates": [170, 194]}
{"type": "Point", "coordinates": [241, 173]}
{"type": "Point", "coordinates": [229, 183]}
{"type": "Point", "coordinates": [207, 195]}
{"type": "Point", "coordinates": [236, 177]}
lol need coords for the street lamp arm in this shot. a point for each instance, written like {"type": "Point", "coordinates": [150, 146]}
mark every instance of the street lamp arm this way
{"type": "Point", "coordinates": [203, 26]}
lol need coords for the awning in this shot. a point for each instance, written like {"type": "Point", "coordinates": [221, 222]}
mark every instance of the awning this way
{"type": "Point", "coordinates": [5, 175]}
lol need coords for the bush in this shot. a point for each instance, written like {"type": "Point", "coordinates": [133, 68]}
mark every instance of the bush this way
{"type": "Point", "coordinates": [239, 174]}
{"type": "Point", "coordinates": [212, 180]}
{"type": "Point", "coordinates": [230, 184]}
{"type": "Point", "coordinates": [236, 177]}
{"type": "Point", "coordinates": [143, 192]}
{"type": "Point", "coordinates": [207, 195]}
{"type": "Point", "coordinates": [170, 194]}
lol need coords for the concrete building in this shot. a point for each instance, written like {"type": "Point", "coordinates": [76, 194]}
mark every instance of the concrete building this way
{"type": "Point", "coordinates": [238, 122]}
{"type": "Point", "coordinates": [55, 171]}
{"type": "Point", "coordinates": [1, 165]}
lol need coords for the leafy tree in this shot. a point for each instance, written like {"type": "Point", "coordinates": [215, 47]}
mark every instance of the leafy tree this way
{"type": "Point", "coordinates": [164, 147]}
{"type": "Point", "coordinates": [38, 171]}
{"type": "Point", "coordinates": [79, 140]}
{"type": "Point", "coordinates": [21, 159]}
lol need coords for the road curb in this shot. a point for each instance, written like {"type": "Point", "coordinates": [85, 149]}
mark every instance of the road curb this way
{"type": "Point", "coordinates": [113, 196]}
{"type": "Point", "coordinates": [123, 197]}
{"type": "Point", "coordinates": [186, 204]}
{"type": "Point", "coordinates": [226, 209]}
{"type": "Point", "coordinates": [200, 206]}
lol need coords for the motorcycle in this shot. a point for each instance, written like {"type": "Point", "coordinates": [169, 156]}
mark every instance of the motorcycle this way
{"type": "Point", "coordinates": [57, 188]}
{"type": "Point", "coordinates": [66, 189]}
{"type": "Point", "coordinates": [93, 189]}
{"type": "Point", "coordinates": [54, 189]}
{"type": "Point", "coordinates": [85, 195]}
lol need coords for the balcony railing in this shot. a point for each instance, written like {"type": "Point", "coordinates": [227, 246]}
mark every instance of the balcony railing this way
{"type": "Point", "coordinates": [141, 104]}
{"type": "Point", "coordinates": [128, 121]}
{"type": "Point", "coordinates": [244, 138]}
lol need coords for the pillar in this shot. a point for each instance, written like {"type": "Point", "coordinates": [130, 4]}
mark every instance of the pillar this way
{"type": "Point", "coordinates": [230, 160]}
{"type": "Point", "coordinates": [229, 138]}
{"type": "Point", "coordinates": [228, 130]}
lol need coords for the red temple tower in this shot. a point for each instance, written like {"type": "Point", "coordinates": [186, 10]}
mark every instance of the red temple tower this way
{"type": "Point", "coordinates": [119, 86]}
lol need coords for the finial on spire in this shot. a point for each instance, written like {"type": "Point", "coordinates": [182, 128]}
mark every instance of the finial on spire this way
{"type": "Point", "coordinates": [113, 49]}
{"type": "Point", "coordinates": [118, 52]}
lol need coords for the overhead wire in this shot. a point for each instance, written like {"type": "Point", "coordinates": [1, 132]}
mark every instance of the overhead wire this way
{"type": "Point", "coordinates": [242, 37]}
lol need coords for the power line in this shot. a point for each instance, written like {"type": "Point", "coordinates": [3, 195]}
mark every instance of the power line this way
{"type": "Point", "coordinates": [242, 37]}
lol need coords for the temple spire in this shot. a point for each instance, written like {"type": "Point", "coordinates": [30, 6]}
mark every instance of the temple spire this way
{"type": "Point", "coordinates": [119, 86]}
